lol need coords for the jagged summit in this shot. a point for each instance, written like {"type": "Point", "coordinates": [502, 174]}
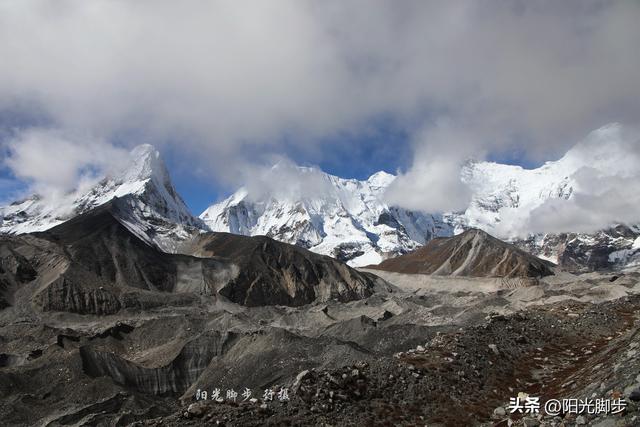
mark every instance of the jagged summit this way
{"type": "Point", "coordinates": [345, 218]}
{"type": "Point", "coordinates": [146, 163]}
{"type": "Point", "coordinates": [154, 208]}
{"type": "Point", "coordinates": [472, 253]}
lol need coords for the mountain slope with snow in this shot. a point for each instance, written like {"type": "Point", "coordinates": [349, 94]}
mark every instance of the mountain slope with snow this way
{"type": "Point", "coordinates": [348, 219]}
{"type": "Point", "coordinates": [526, 206]}
{"type": "Point", "coordinates": [147, 200]}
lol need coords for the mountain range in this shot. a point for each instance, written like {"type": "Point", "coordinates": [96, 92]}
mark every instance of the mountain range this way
{"type": "Point", "coordinates": [119, 307]}
{"type": "Point", "coordinates": [349, 219]}
{"type": "Point", "coordinates": [509, 200]}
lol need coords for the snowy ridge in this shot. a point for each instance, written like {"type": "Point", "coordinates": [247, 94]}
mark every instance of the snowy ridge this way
{"type": "Point", "coordinates": [507, 198]}
{"type": "Point", "coordinates": [349, 220]}
{"type": "Point", "coordinates": [504, 195]}
{"type": "Point", "coordinates": [149, 204]}
{"type": "Point", "coordinates": [352, 222]}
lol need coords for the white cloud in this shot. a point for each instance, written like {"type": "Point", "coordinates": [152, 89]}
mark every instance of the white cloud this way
{"type": "Point", "coordinates": [285, 181]}
{"type": "Point", "coordinates": [230, 82]}
{"type": "Point", "coordinates": [606, 190]}
{"type": "Point", "coordinates": [55, 162]}
{"type": "Point", "coordinates": [434, 184]}
{"type": "Point", "coordinates": [602, 171]}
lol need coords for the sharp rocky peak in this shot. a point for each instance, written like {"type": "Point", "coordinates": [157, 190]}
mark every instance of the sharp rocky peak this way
{"type": "Point", "coordinates": [155, 209]}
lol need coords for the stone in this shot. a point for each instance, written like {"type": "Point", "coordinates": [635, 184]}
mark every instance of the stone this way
{"type": "Point", "coordinates": [494, 348]}
{"type": "Point", "coordinates": [499, 412]}
{"type": "Point", "coordinates": [296, 383]}
{"type": "Point", "coordinates": [361, 365]}
{"type": "Point", "coordinates": [197, 409]}
{"type": "Point", "coordinates": [580, 420]}
{"type": "Point", "coordinates": [530, 422]}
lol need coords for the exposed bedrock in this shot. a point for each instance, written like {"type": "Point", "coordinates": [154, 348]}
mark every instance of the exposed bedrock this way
{"type": "Point", "coordinates": [174, 377]}
{"type": "Point", "coordinates": [109, 268]}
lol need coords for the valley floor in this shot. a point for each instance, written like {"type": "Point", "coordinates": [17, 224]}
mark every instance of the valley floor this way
{"type": "Point", "coordinates": [431, 351]}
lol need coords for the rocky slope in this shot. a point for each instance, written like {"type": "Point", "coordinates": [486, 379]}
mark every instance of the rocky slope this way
{"type": "Point", "coordinates": [473, 253]}
{"type": "Point", "coordinates": [616, 248]}
{"type": "Point", "coordinates": [94, 264]}
{"type": "Point", "coordinates": [270, 272]}
{"type": "Point", "coordinates": [150, 204]}
{"type": "Point", "coordinates": [100, 328]}
{"type": "Point", "coordinates": [346, 218]}
{"type": "Point", "coordinates": [465, 377]}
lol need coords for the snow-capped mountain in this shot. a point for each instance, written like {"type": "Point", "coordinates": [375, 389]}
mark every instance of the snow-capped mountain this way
{"type": "Point", "coordinates": [147, 201]}
{"type": "Point", "coordinates": [617, 247]}
{"type": "Point", "coordinates": [348, 219]}
{"type": "Point", "coordinates": [352, 222]}
{"type": "Point", "coordinates": [508, 200]}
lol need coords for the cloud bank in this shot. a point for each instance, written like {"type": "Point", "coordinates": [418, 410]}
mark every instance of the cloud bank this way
{"type": "Point", "coordinates": [605, 182]}
{"type": "Point", "coordinates": [228, 84]}
{"type": "Point", "coordinates": [56, 163]}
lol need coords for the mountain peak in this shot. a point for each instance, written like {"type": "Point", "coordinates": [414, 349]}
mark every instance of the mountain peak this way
{"type": "Point", "coordinates": [343, 218]}
{"type": "Point", "coordinates": [472, 253]}
{"type": "Point", "coordinates": [144, 150]}
{"type": "Point", "coordinates": [146, 163]}
{"type": "Point", "coordinates": [153, 207]}
{"type": "Point", "coordinates": [381, 179]}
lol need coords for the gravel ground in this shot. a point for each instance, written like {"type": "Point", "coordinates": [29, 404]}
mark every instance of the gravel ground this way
{"type": "Point", "coordinates": [465, 377]}
{"type": "Point", "coordinates": [433, 351]}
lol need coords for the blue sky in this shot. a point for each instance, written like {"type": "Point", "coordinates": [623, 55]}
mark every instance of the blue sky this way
{"type": "Point", "coordinates": [381, 146]}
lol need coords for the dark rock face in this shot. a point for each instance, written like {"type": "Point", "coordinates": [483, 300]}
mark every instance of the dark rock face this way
{"type": "Point", "coordinates": [99, 244]}
{"type": "Point", "coordinates": [387, 219]}
{"type": "Point", "coordinates": [274, 273]}
{"type": "Point", "coordinates": [346, 252]}
{"type": "Point", "coordinates": [93, 264]}
{"type": "Point", "coordinates": [472, 253]}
